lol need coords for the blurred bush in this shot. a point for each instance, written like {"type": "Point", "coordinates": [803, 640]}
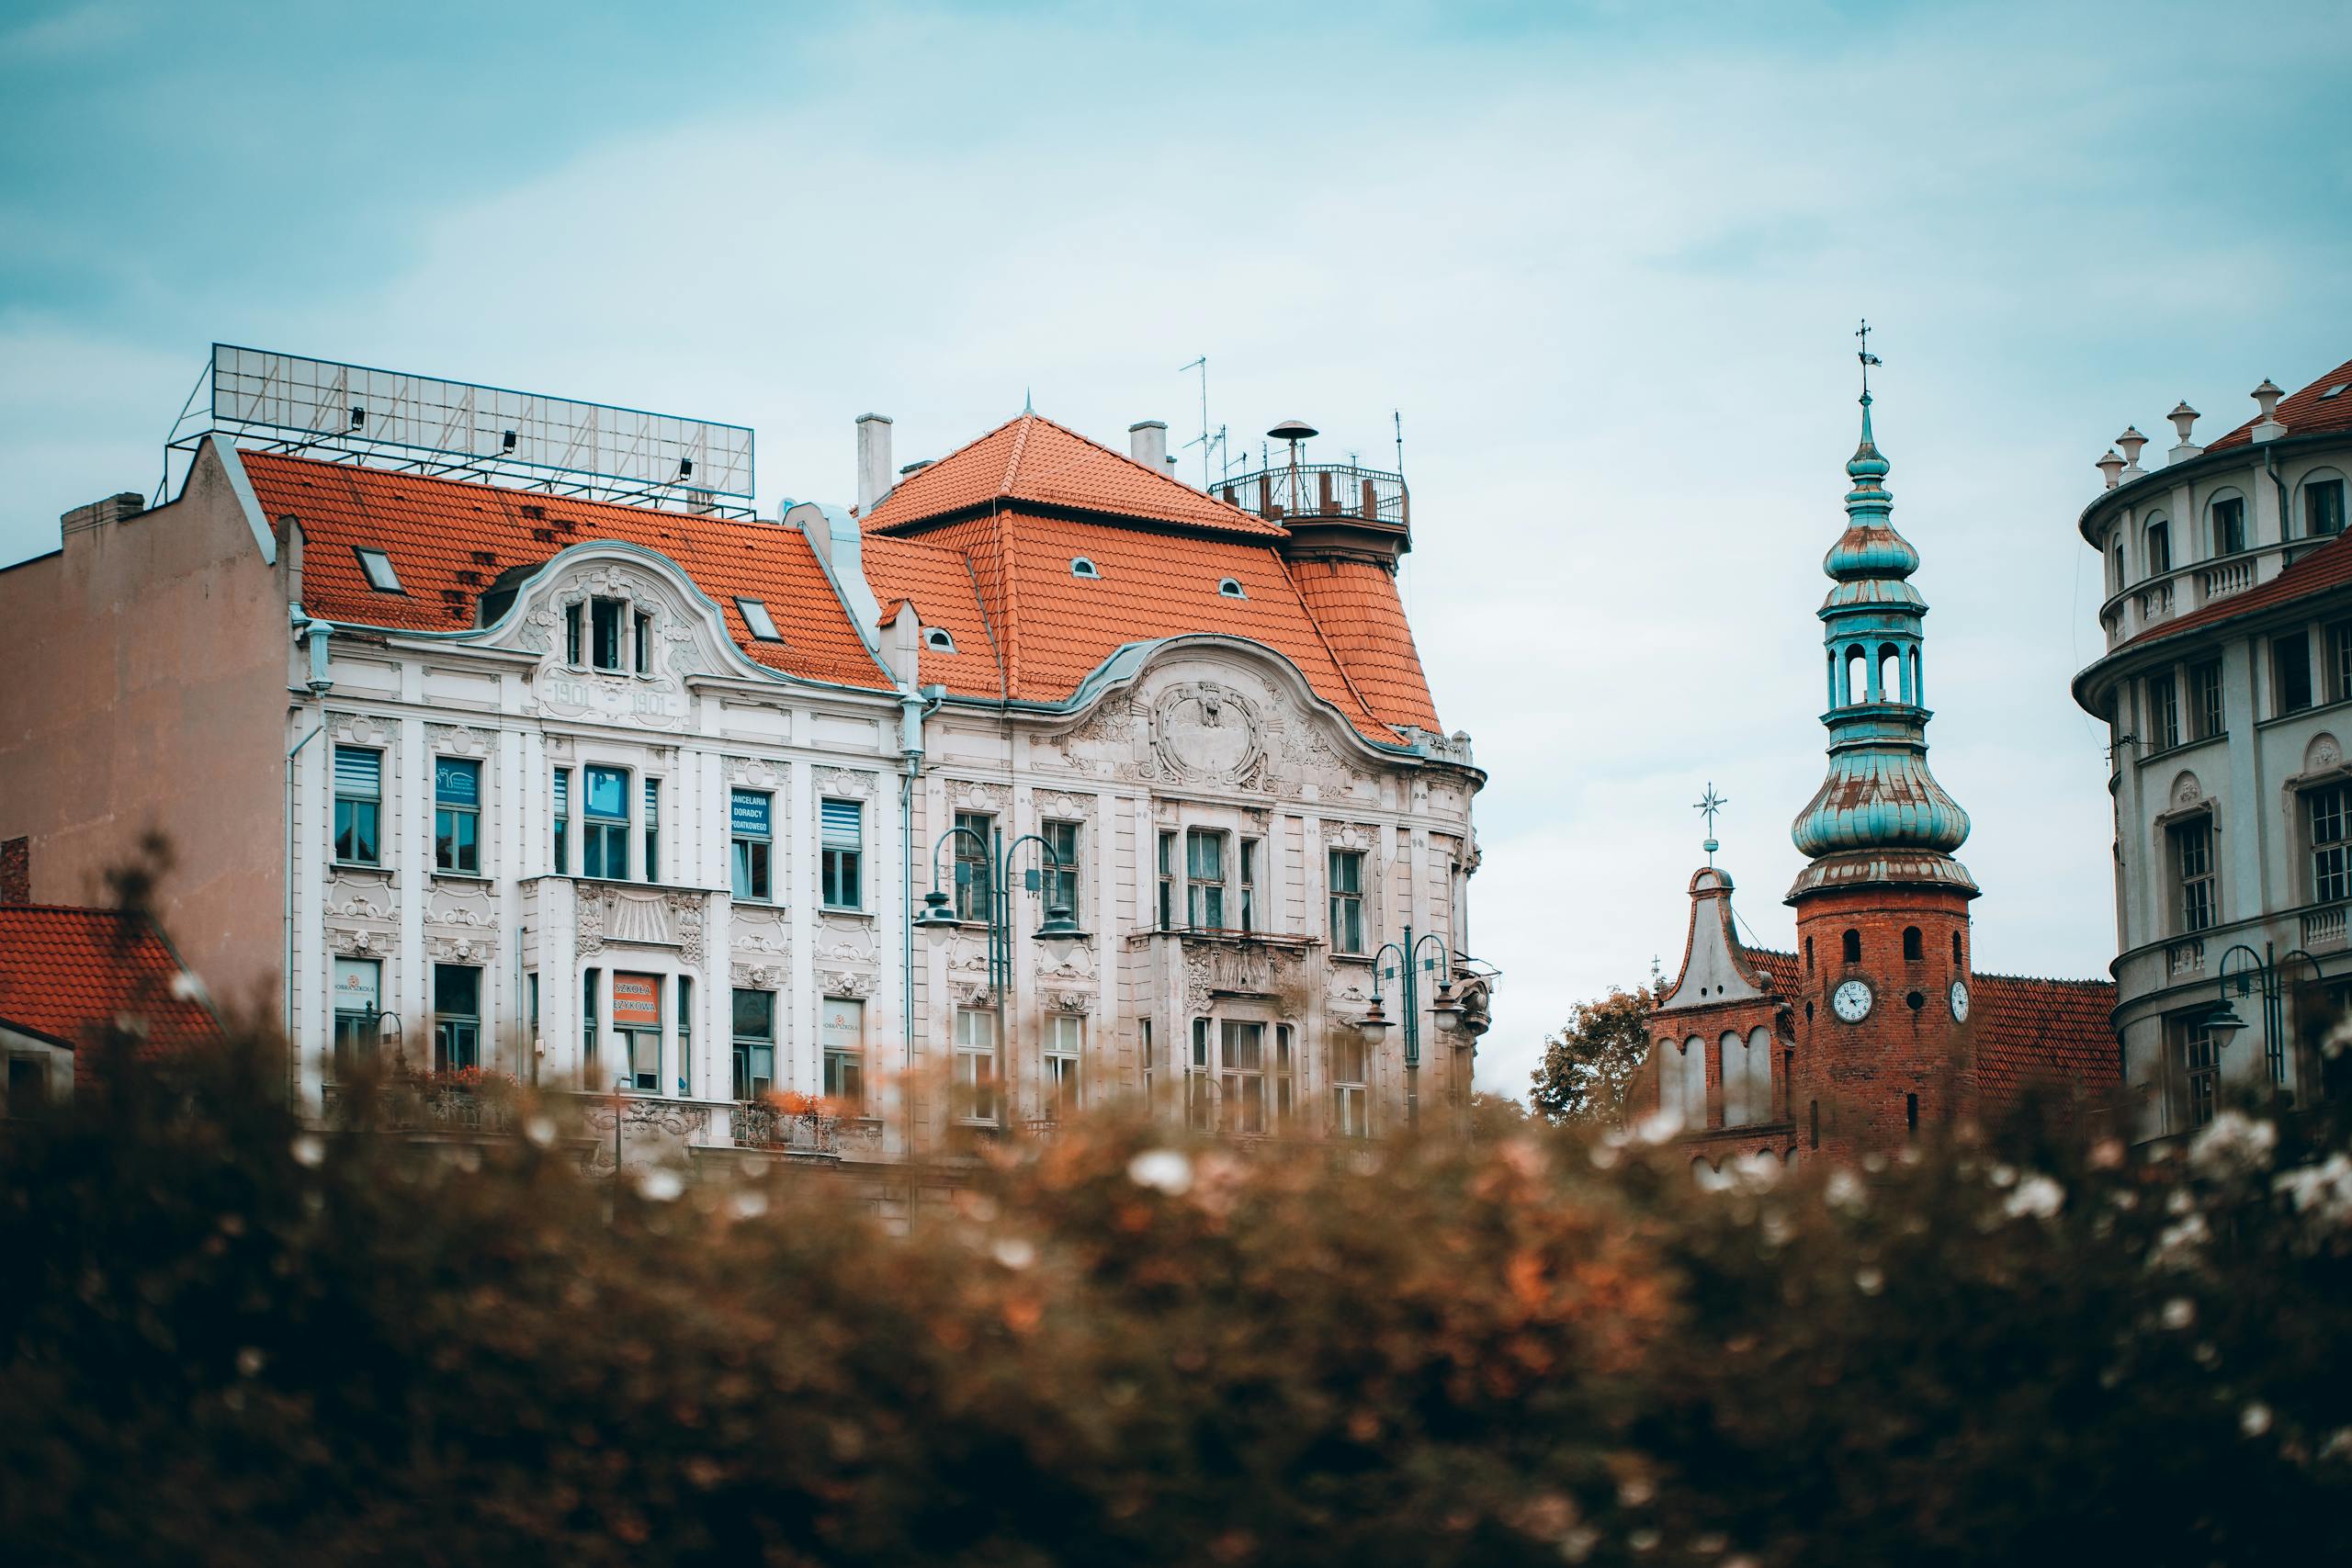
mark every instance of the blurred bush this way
{"type": "Point", "coordinates": [232, 1339]}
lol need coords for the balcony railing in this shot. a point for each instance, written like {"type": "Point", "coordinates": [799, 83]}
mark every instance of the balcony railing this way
{"type": "Point", "coordinates": [761, 1126]}
{"type": "Point", "coordinates": [2323, 929]}
{"type": "Point", "coordinates": [2185, 957]}
{"type": "Point", "coordinates": [2219, 581]}
{"type": "Point", "coordinates": [1320, 490]}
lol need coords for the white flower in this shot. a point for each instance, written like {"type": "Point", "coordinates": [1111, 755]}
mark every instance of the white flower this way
{"type": "Point", "coordinates": [308, 1149]}
{"type": "Point", "coordinates": [2322, 1193]}
{"type": "Point", "coordinates": [2038, 1196]}
{"type": "Point", "coordinates": [1163, 1170]}
{"type": "Point", "coordinates": [1014, 1253]}
{"type": "Point", "coordinates": [540, 1130]}
{"type": "Point", "coordinates": [748, 1203]}
{"type": "Point", "coordinates": [660, 1186]}
{"type": "Point", "coordinates": [1658, 1127]}
{"type": "Point", "coordinates": [1845, 1190]}
{"type": "Point", "coordinates": [2182, 1243]}
{"type": "Point", "coordinates": [1869, 1281]}
{"type": "Point", "coordinates": [2255, 1419]}
{"type": "Point", "coordinates": [2234, 1144]}
{"type": "Point", "coordinates": [2179, 1312]}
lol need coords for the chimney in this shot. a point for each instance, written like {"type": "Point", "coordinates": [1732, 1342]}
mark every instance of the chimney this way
{"type": "Point", "coordinates": [1148, 443]}
{"type": "Point", "coordinates": [873, 460]}
{"type": "Point", "coordinates": [114, 507]}
{"type": "Point", "coordinates": [2266, 398]}
{"type": "Point", "coordinates": [2183, 420]}
{"type": "Point", "coordinates": [2131, 441]}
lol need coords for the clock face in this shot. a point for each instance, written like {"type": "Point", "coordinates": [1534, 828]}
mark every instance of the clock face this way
{"type": "Point", "coordinates": [1852, 1002]}
{"type": "Point", "coordinates": [1960, 1001]}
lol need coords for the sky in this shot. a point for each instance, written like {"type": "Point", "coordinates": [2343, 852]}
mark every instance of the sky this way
{"type": "Point", "coordinates": [1605, 260]}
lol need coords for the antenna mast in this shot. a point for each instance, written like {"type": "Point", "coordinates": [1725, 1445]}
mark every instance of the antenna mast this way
{"type": "Point", "coordinates": [1204, 440]}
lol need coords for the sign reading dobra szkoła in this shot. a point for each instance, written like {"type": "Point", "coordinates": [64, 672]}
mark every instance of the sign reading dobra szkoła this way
{"type": "Point", "coordinates": [636, 1001]}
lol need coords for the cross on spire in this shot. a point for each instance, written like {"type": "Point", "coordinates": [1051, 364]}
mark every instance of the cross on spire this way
{"type": "Point", "coordinates": [1865, 355]}
{"type": "Point", "coordinates": [1707, 806]}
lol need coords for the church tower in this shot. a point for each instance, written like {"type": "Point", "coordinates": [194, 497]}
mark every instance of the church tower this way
{"type": "Point", "coordinates": [1882, 909]}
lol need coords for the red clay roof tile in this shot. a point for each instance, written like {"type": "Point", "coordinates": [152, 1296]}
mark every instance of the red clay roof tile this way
{"type": "Point", "coordinates": [68, 973]}
{"type": "Point", "coordinates": [1355, 603]}
{"type": "Point", "coordinates": [2309, 412]}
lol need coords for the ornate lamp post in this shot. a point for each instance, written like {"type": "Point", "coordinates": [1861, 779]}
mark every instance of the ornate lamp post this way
{"type": "Point", "coordinates": [1060, 934]}
{"type": "Point", "coordinates": [2262, 972]}
{"type": "Point", "coordinates": [1447, 1007]}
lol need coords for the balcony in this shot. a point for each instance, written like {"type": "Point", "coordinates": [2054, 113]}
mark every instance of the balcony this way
{"type": "Point", "coordinates": [786, 1128]}
{"type": "Point", "coordinates": [1337, 491]}
{"type": "Point", "coordinates": [2323, 928]}
{"type": "Point", "coordinates": [2185, 958]}
{"type": "Point", "coordinates": [2219, 581]}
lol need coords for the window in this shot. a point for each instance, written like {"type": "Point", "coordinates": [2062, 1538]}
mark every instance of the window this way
{"type": "Point", "coordinates": [457, 816]}
{"type": "Point", "coordinates": [2339, 661]}
{"type": "Point", "coordinates": [2323, 508]}
{"type": "Point", "coordinates": [1248, 888]}
{"type": "Point", "coordinates": [1167, 881]}
{"type": "Point", "coordinates": [2229, 526]}
{"type": "Point", "coordinates": [559, 813]}
{"type": "Point", "coordinates": [754, 1035]}
{"type": "Point", "coordinates": [1347, 900]}
{"type": "Point", "coordinates": [1911, 1114]}
{"type": "Point", "coordinates": [757, 620]}
{"type": "Point", "coordinates": [939, 640]}
{"type": "Point", "coordinates": [1205, 879]}
{"type": "Point", "coordinates": [642, 640]}
{"type": "Point", "coordinates": [2205, 707]}
{"type": "Point", "coordinates": [1062, 879]}
{"type": "Point", "coordinates": [1065, 1035]}
{"type": "Point", "coordinates": [1199, 1096]}
{"type": "Point", "coordinates": [2201, 1073]}
{"type": "Point", "coordinates": [751, 819]}
{"type": "Point", "coordinates": [604, 827]}
{"type": "Point", "coordinates": [2327, 813]}
{"type": "Point", "coordinates": [1144, 1054]}
{"type": "Point", "coordinates": [1229, 589]}
{"type": "Point", "coordinates": [358, 805]}
{"type": "Point", "coordinates": [590, 989]}
{"type": "Point", "coordinates": [2192, 861]}
{"type": "Point", "coordinates": [637, 1019]}
{"type": "Point", "coordinates": [457, 1017]}
{"type": "Point", "coordinates": [604, 633]}
{"type": "Point", "coordinates": [844, 1040]}
{"type": "Point", "coordinates": [686, 1034]}
{"type": "Point", "coordinates": [1351, 1090]}
{"type": "Point", "coordinates": [1284, 1083]}
{"type": "Point", "coordinates": [1808, 953]}
{"type": "Point", "coordinates": [2159, 548]}
{"type": "Point", "coordinates": [975, 1064]}
{"type": "Point", "coordinates": [1241, 1080]}
{"type": "Point", "coordinates": [653, 829]}
{"type": "Point", "coordinates": [2290, 658]}
{"type": "Point", "coordinates": [572, 652]}
{"type": "Point", "coordinates": [1853, 947]}
{"type": "Point", "coordinates": [974, 892]}
{"type": "Point", "coordinates": [358, 985]}
{"type": "Point", "coordinates": [842, 826]}
{"type": "Point", "coordinates": [2164, 711]}
{"type": "Point", "coordinates": [1912, 949]}
{"type": "Point", "coordinates": [1746, 1070]}
{"type": "Point", "coordinates": [379, 568]}
{"type": "Point", "coordinates": [1955, 947]}
{"type": "Point", "coordinates": [1081, 567]}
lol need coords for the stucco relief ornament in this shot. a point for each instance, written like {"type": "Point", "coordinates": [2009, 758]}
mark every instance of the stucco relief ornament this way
{"type": "Point", "coordinates": [971, 994]}
{"type": "Point", "coordinates": [1064, 807]}
{"type": "Point", "coordinates": [686, 920]}
{"type": "Point", "coordinates": [969, 794]}
{"type": "Point", "coordinates": [345, 902]}
{"type": "Point", "coordinates": [590, 921]}
{"type": "Point", "coordinates": [366, 728]}
{"type": "Point", "coordinates": [1196, 985]}
{"type": "Point", "coordinates": [1070, 1001]}
{"type": "Point", "coordinates": [757, 977]}
{"type": "Point", "coordinates": [2187, 790]}
{"type": "Point", "coordinates": [457, 740]}
{"type": "Point", "coordinates": [683, 657]}
{"type": "Point", "coordinates": [847, 784]}
{"type": "Point", "coordinates": [537, 633]}
{"type": "Point", "coordinates": [1206, 733]}
{"type": "Point", "coordinates": [2323, 753]}
{"type": "Point", "coordinates": [846, 983]}
{"type": "Point", "coordinates": [1104, 744]}
{"type": "Point", "coordinates": [754, 772]}
{"type": "Point", "coordinates": [460, 949]}
{"type": "Point", "coordinates": [352, 944]}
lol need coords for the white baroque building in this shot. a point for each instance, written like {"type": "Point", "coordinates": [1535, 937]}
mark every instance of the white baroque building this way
{"type": "Point", "coordinates": [508, 772]}
{"type": "Point", "coordinates": [2227, 689]}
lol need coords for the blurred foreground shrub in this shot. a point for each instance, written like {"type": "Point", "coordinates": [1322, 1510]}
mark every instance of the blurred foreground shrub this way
{"type": "Point", "coordinates": [229, 1339]}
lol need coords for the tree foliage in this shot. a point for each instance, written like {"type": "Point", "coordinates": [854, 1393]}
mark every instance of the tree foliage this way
{"type": "Point", "coordinates": [1589, 1066]}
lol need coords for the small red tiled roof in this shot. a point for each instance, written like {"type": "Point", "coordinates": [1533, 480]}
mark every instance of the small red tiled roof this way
{"type": "Point", "coordinates": [2327, 567]}
{"type": "Point", "coordinates": [437, 531]}
{"type": "Point", "coordinates": [939, 582]}
{"type": "Point", "coordinates": [1779, 969]}
{"type": "Point", "coordinates": [2308, 412]}
{"type": "Point", "coordinates": [1355, 603]}
{"type": "Point", "coordinates": [1031, 459]}
{"type": "Point", "coordinates": [68, 974]}
{"type": "Point", "coordinates": [2033, 1031]}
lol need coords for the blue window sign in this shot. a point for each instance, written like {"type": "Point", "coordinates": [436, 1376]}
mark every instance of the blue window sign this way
{"type": "Point", "coordinates": [456, 782]}
{"type": "Point", "coordinates": [751, 813]}
{"type": "Point", "coordinates": [608, 794]}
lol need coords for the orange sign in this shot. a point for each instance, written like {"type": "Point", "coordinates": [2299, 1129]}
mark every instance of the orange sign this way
{"type": "Point", "coordinates": [637, 1000]}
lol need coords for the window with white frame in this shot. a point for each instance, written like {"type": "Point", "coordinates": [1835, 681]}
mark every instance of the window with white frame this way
{"type": "Point", "coordinates": [642, 627]}
{"type": "Point", "coordinates": [2229, 526]}
{"type": "Point", "coordinates": [574, 640]}
{"type": "Point", "coordinates": [559, 816]}
{"type": "Point", "coordinates": [1284, 1083]}
{"type": "Point", "coordinates": [844, 1045]}
{"type": "Point", "coordinates": [359, 988]}
{"type": "Point", "coordinates": [637, 1019]}
{"type": "Point", "coordinates": [1061, 866]}
{"type": "Point", "coordinates": [2159, 547]}
{"type": "Point", "coordinates": [457, 1017]}
{"type": "Point", "coordinates": [843, 832]}
{"type": "Point", "coordinates": [1167, 881]}
{"type": "Point", "coordinates": [457, 816]}
{"type": "Point", "coordinates": [2323, 507]}
{"type": "Point", "coordinates": [2327, 812]}
{"type": "Point", "coordinates": [1205, 879]}
{"type": "Point", "coordinates": [1247, 888]}
{"type": "Point", "coordinates": [975, 852]}
{"type": "Point", "coordinates": [653, 829]}
{"type": "Point", "coordinates": [2164, 711]}
{"type": "Point", "coordinates": [604, 634]}
{"type": "Point", "coordinates": [1065, 1037]}
{"type": "Point", "coordinates": [2200, 1052]}
{"type": "Point", "coordinates": [358, 805]}
{"type": "Point", "coordinates": [604, 839]}
{"type": "Point", "coordinates": [976, 1076]}
{"type": "Point", "coordinates": [2206, 709]}
{"type": "Point", "coordinates": [2193, 858]}
{"type": "Point", "coordinates": [753, 1072]}
{"type": "Point", "coordinates": [751, 824]}
{"type": "Point", "coordinates": [1242, 1094]}
{"type": "Point", "coordinates": [1347, 900]}
{"type": "Point", "coordinates": [1351, 1085]}
{"type": "Point", "coordinates": [1144, 1054]}
{"type": "Point", "coordinates": [1200, 1086]}
{"type": "Point", "coordinates": [592, 990]}
{"type": "Point", "coordinates": [684, 1065]}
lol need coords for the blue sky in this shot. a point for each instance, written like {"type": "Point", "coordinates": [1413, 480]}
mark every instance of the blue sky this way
{"type": "Point", "coordinates": [1606, 259]}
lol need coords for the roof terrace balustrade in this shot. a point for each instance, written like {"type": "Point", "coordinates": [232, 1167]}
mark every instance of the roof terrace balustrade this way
{"type": "Point", "coordinates": [1319, 489]}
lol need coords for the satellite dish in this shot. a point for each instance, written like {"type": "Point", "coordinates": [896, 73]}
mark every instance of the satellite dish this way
{"type": "Point", "coordinates": [1293, 429]}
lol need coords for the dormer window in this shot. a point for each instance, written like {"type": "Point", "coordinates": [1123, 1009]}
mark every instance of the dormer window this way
{"type": "Point", "coordinates": [755, 615]}
{"type": "Point", "coordinates": [1081, 567]}
{"type": "Point", "coordinates": [1230, 589]}
{"type": "Point", "coordinates": [604, 634]}
{"type": "Point", "coordinates": [938, 639]}
{"type": "Point", "coordinates": [379, 568]}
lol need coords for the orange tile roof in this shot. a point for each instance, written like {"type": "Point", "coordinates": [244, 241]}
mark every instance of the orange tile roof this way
{"type": "Point", "coordinates": [68, 973]}
{"type": "Point", "coordinates": [1355, 603]}
{"type": "Point", "coordinates": [1031, 459]}
{"type": "Point", "coordinates": [939, 582]}
{"type": "Point", "coordinates": [448, 539]}
{"type": "Point", "coordinates": [2034, 1031]}
{"type": "Point", "coordinates": [2309, 412]}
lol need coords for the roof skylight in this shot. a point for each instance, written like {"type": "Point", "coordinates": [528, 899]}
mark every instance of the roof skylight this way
{"type": "Point", "coordinates": [1230, 589]}
{"type": "Point", "coordinates": [755, 615]}
{"type": "Point", "coordinates": [379, 568]}
{"type": "Point", "coordinates": [2337, 390]}
{"type": "Point", "coordinates": [1081, 567]}
{"type": "Point", "coordinates": [939, 639]}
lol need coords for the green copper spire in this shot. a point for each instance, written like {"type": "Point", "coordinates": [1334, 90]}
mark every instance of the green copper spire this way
{"type": "Point", "coordinates": [1879, 817]}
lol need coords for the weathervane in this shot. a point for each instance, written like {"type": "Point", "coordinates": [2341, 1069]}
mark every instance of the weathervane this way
{"type": "Point", "coordinates": [1866, 357]}
{"type": "Point", "coordinates": [1709, 806]}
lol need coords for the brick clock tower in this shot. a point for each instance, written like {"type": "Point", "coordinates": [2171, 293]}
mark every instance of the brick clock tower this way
{"type": "Point", "coordinates": [1882, 910]}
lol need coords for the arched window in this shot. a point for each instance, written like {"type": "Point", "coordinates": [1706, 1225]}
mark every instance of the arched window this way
{"type": "Point", "coordinates": [1853, 947]}
{"type": "Point", "coordinates": [1669, 1076]}
{"type": "Point", "coordinates": [2115, 554]}
{"type": "Point", "coordinates": [1230, 588]}
{"type": "Point", "coordinates": [1857, 676]}
{"type": "Point", "coordinates": [1808, 953]}
{"type": "Point", "coordinates": [1081, 567]}
{"type": "Point", "coordinates": [939, 640]}
{"type": "Point", "coordinates": [2226, 512]}
{"type": "Point", "coordinates": [2159, 548]}
{"type": "Point", "coordinates": [1912, 949]}
{"type": "Point", "coordinates": [1694, 1082]}
{"type": "Point", "coordinates": [1746, 1078]}
{"type": "Point", "coordinates": [1833, 677]}
{"type": "Point", "coordinates": [2323, 503]}
{"type": "Point", "coordinates": [1919, 688]}
{"type": "Point", "coordinates": [1889, 675]}
{"type": "Point", "coordinates": [1955, 947]}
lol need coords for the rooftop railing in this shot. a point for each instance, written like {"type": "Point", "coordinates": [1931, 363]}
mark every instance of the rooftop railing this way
{"type": "Point", "coordinates": [1319, 489]}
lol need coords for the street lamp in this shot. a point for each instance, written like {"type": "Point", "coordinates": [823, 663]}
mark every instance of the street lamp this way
{"type": "Point", "coordinates": [2264, 973]}
{"type": "Point", "coordinates": [1446, 1007]}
